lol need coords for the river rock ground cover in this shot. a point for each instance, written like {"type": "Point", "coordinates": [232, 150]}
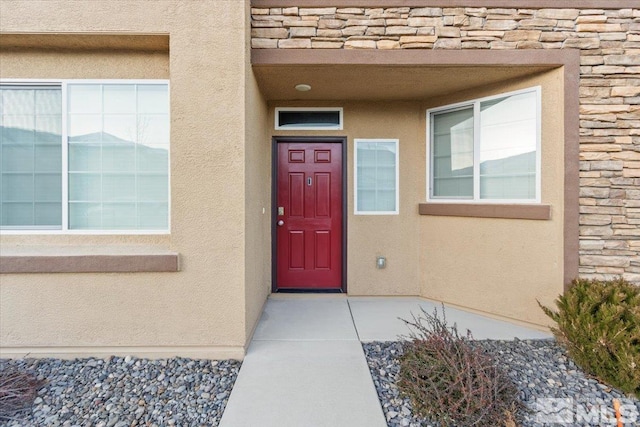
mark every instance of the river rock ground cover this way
{"type": "Point", "coordinates": [554, 390]}
{"type": "Point", "coordinates": [127, 391]}
{"type": "Point", "coordinates": [184, 392]}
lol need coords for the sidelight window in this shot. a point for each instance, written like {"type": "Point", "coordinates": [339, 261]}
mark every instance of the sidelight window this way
{"type": "Point", "coordinates": [376, 176]}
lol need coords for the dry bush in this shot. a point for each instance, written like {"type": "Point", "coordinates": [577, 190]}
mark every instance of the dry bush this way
{"type": "Point", "coordinates": [17, 392]}
{"type": "Point", "coordinates": [453, 382]}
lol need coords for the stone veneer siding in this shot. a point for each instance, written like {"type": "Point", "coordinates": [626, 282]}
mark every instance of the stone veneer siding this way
{"type": "Point", "coordinates": [609, 42]}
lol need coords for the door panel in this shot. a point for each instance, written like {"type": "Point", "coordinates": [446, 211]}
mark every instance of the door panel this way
{"type": "Point", "coordinates": [296, 250]}
{"type": "Point", "coordinates": [322, 250]}
{"type": "Point", "coordinates": [323, 194]}
{"type": "Point", "coordinates": [296, 195]}
{"type": "Point", "coordinates": [309, 215]}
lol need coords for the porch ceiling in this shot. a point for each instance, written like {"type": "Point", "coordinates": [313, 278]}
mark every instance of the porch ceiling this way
{"type": "Point", "coordinates": [379, 82]}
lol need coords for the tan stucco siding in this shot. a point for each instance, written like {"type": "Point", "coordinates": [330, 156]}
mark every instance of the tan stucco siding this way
{"type": "Point", "coordinates": [257, 166]}
{"type": "Point", "coordinates": [39, 64]}
{"type": "Point", "coordinates": [391, 236]}
{"type": "Point", "coordinates": [257, 257]}
{"type": "Point", "coordinates": [502, 266]}
{"type": "Point", "coordinates": [499, 266]}
{"type": "Point", "coordinates": [200, 310]}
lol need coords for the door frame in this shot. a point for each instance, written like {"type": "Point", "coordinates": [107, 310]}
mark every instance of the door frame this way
{"type": "Point", "coordinates": [275, 140]}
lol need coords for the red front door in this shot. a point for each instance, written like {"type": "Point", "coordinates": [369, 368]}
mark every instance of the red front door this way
{"type": "Point", "coordinates": [309, 215]}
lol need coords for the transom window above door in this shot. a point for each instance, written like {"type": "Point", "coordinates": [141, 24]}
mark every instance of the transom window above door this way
{"type": "Point", "coordinates": [486, 149]}
{"type": "Point", "coordinates": [308, 118]}
{"type": "Point", "coordinates": [84, 155]}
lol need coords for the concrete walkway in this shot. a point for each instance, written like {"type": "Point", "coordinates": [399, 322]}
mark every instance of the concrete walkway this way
{"type": "Point", "coordinates": [305, 365]}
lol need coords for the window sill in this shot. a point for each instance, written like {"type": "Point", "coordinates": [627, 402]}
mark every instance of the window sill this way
{"type": "Point", "coordinates": [487, 210]}
{"type": "Point", "coordinates": [112, 259]}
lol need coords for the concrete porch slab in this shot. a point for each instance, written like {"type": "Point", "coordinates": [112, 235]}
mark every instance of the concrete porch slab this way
{"type": "Point", "coordinates": [378, 319]}
{"type": "Point", "coordinates": [306, 317]}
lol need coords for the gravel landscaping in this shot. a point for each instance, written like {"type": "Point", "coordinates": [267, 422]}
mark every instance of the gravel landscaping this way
{"type": "Point", "coordinates": [554, 390]}
{"type": "Point", "coordinates": [183, 392]}
{"type": "Point", "coordinates": [127, 391]}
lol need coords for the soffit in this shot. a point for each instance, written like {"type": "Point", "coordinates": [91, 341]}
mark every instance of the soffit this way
{"type": "Point", "coordinates": [380, 82]}
{"type": "Point", "coordinates": [396, 74]}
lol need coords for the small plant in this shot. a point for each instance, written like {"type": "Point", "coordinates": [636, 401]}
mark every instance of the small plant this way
{"type": "Point", "coordinates": [453, 382]}
{"type": "Point", "coordinates": [17, 392]}
{"type": "Point", "coordinates": [598, 322]}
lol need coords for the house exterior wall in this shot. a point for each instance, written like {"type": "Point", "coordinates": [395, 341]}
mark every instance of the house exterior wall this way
{"type": "Point", "coordinates": [460, 261]}
{"type": "Point", "coordinates": [496, 265]}
{"type": "Point", "coordinates": [221, 125]}
{"type": "Point", "coordinates": [607, 34]}
{"type": "Point", "coordinates": [257, 167]}
{"type": "Point", "coordinates": [199, 311]}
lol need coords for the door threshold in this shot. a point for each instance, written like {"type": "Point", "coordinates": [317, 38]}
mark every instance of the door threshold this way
{"type": "Point", "coordinates": [309, 291]}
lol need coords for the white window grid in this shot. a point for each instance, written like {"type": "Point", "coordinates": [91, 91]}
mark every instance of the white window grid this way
{"type": "Point", "coordinates": [355, 176]}
{"type": "Point", "coordinates": [63, 84]}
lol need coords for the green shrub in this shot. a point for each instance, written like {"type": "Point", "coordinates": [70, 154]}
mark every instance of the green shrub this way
{"type": "Point", "coordinates": [598, 322]}
{"type": "Point", "coordinates": [453, 382]}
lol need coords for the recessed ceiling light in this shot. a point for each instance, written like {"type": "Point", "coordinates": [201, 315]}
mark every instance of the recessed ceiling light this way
{"type": "Point", "coordinates": [303, 87]}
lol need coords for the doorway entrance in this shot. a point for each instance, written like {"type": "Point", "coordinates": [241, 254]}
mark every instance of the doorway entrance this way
{"type": "Point", "coordinates": [309, 214]}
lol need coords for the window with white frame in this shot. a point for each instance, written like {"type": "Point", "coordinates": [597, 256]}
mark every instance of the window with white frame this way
{"type": "Point", "coordinates": [84, 155]}
{"type": "Point", "coordinates": [486, 149]}
{"type": "Point", "coordinates": [308, 118]}
{"type": "Point", "coordinates": [376, 176]}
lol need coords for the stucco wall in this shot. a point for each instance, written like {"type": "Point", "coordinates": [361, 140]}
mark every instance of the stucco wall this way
{"type": "Point", "coordinates": [502, 266]}
{"type": "Point", "coordinates": [464, 261]}
{"type": "Point", "coordinates": [199, 311]}
{"type": "Point", "coordinates": [392, 236]}
{"type": "Point", "coordinates": [77, 64]}
{"type": "Point", "coordinates": [257, 199]}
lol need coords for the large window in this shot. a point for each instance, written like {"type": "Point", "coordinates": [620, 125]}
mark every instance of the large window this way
{"type": "Point", "coordinates": [85, 155]}
{"type": "Point", "coordinates": [376, 176]}
{"type": "Point", "coordinates": [486, 150]}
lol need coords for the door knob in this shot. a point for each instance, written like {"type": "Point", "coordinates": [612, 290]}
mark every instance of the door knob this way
{"type": "Point", "coordinates": [280, 223]}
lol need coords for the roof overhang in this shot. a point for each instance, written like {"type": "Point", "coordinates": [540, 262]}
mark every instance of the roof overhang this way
{"type": "Point", "coordinates": [388, 75]}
